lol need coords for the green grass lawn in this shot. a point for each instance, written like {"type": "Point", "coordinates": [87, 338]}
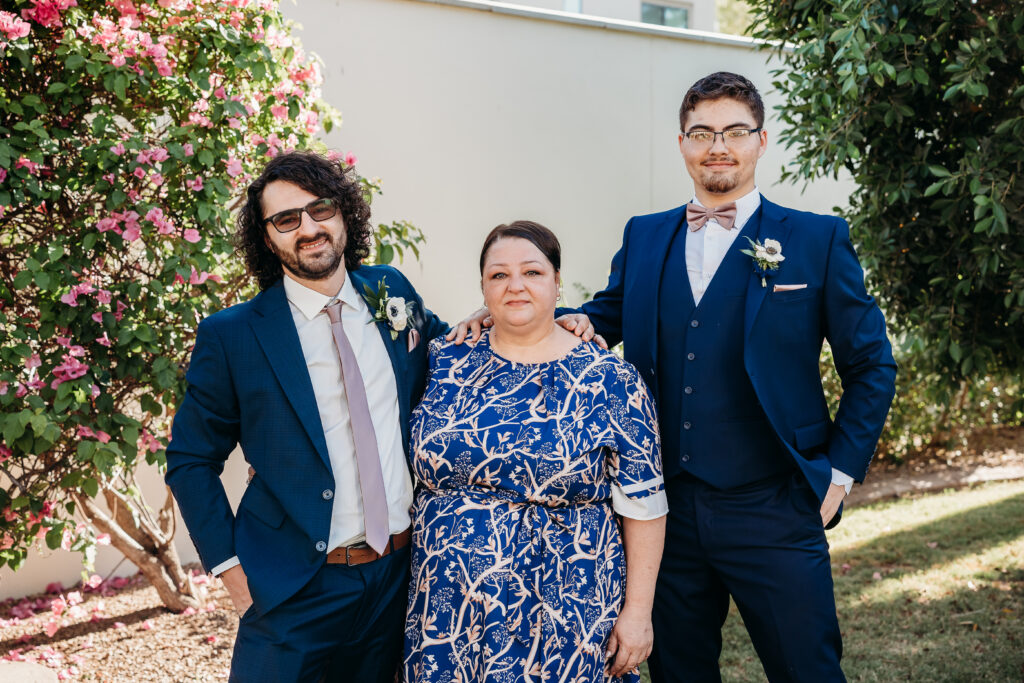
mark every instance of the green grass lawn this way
{"type": "Point", "coordinates": [929, 588]}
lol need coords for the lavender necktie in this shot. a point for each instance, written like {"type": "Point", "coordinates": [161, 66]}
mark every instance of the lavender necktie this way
{"type": "Point", "coordinates": [371, 479]}
{"type": "Point", "coordinates": [697, 216]}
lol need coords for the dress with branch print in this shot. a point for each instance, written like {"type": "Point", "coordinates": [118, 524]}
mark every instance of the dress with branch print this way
{"type": "Point", "coordinates": [518, 569]}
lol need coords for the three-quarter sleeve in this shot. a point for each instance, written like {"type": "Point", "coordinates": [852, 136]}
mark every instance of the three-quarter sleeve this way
{"type": "Point", "coordinates": [638, 485]}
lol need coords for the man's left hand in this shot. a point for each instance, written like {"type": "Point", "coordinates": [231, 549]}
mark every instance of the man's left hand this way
{"type": "Point", "coordinates": [833, 499]}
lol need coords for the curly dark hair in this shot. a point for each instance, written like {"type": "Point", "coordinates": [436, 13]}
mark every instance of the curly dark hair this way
{"type": "Point", "coordinates": [319, 176]}
{"type": "Point", "coordinates": [718, 85]}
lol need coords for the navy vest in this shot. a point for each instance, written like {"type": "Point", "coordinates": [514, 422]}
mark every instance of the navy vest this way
{"type": "Point", "coordinates": [712, 425]}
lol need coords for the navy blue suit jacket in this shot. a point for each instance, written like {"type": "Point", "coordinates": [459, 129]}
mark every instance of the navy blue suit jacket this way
{"type": "Point", "coordinates": [783, 333]}
{"type": "Point", "coordinates": [248, 384]}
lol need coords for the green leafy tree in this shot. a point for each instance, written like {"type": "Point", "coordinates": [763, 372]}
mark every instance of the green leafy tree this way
{"type": "Point", "coordinates": [127, 129]}
{"type": "Point", "coordinates": [922, 102]}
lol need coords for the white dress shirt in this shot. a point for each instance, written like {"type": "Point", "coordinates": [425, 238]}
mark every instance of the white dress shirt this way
{"type": "Point", "coordinates": [321, 354]}
{"type": "Point", "coordinates": [705, 250]}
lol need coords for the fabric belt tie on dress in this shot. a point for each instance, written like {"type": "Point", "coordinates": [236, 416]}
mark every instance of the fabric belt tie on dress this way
{"type": "Point", "coordinates": [362, 553]}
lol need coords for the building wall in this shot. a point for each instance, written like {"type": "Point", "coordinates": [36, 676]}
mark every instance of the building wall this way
{"type": "Point", "coordinates": [477, 113]}
{"type": "Point", "coordinates": [702, 12]}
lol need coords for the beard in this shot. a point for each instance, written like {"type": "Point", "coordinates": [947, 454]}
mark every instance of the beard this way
{"type": "Point", "coordinates": [720, 182]}
{"type": "Point", "coordinates": [313, 267]}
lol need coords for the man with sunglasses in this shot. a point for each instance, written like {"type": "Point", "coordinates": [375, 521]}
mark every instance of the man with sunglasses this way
{"type": "Point", "coordinates": [315, 378]}
{"type": "Point", "coordinates": [722, 305]}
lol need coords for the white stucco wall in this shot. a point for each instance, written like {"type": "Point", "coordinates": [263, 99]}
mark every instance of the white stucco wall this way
{"type": "Point", "coordinates": [479, 113]}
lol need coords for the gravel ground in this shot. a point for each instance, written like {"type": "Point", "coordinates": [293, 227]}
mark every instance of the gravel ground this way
{"type": "Point", "coordinates": [119, 631]}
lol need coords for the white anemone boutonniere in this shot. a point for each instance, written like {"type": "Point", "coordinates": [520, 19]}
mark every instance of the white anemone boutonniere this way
{"type": "Point", "coordinates": [767, 258]}
{"type": "Point", "coordinates": [392, 310]}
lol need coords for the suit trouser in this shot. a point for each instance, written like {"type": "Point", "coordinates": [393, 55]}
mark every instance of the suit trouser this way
{"type": "Point", "coordinates": [346, 624]}
{"type": "Point", "coordinates": [764, 545]}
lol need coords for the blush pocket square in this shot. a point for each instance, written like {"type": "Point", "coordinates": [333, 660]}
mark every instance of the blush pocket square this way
{"type": "Point", "coordinates": [789, 288]}
{"type": "Point", "coordinates": [414, 339]}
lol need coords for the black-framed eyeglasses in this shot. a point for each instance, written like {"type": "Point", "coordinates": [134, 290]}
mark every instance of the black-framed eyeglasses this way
{"type": "Point", "coordinates": [707, 137]}
{"type": "Point", "coordinates": [291, 219]}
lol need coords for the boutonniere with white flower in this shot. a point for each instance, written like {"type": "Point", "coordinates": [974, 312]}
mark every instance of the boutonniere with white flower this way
{"type": "Point", "coordinates": [767, 258]}
{"type": "Point", "coordinates": [391, 310]}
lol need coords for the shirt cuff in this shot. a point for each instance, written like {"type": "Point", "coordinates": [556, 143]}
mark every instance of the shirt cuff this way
{"type": "Point", "coordinates": [842, 479]}
{"type": "Point", "coordinates": [225, 565]}
{"type": "Point", "coordinates": [648, 507]}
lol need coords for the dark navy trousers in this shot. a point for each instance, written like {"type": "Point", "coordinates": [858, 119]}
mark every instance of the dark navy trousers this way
{"type": "Point", "coordinates": [346, 625]}
{"type": "Point", "coordinates": [764, 545]}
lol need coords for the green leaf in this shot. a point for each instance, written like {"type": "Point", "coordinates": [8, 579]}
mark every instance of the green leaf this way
{"type": "Point", "coordinates": [91, 487]}
{"type": "Point", "coordinates": [74, 62]}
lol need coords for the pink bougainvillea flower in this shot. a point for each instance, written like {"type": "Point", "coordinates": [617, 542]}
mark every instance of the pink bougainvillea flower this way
{"type": "Point", "coordinates": [147, 625]}
{"type": "Point", "coordinates": [211, 639]}
{"type": "Point", "coordinates": [351, 159]}
{"type": "Point", "coordinates": [102, 437]}
{"type": "Point", "coordinates": [5, 455]}
{"type": "Point", "coordinates": [188, 611]}
{"type": "Point", "coordinates": [118, 60]}
{"type": "Point", "coordinates": [13, 27]}
{"type": "Point", "coordinates": [104, 340]}
{"type": "Point", "coordinates": [132, 233]}
{"type": "Point", "coordinates": [52, 626]}
{"type": "Point", "coordinates": [93, 582]}
{"type": "Point", "coordinates": [71, 298]}
{"type": "Point", "coordinates": [159, 154]}
{"type": "Point", "coordinates": [103, 539]}
{"type": "Point", "coordinates": [74, 598]}
{"type": "Point", "coordinates": [58, 605]}
{"type": "Point", "coordinates": [234, 167]}
{"type": "Point", "coordinates": [191, 235]}
{"type": "Point", "coordinates": [33, 361]}
{"type": "Point", "coordinates": [189, 149]}
{"type": "Point", "coordinates": [219, 92]}
{"type": "Point", "coordinates": [195, 185]}
{"type": "Point", "coordinates": [26, 163]}
{"type": "Point", "coordinates": [103, 296]}
{"type": "Point", "coordinates": [143, 157]}
{"type": "Point", "coordinates": [118, 149]}
{"type": "Point", "coordinates": [279, 111]}
{"type": "Point", "coordinates": [139, 172]}
{"type": "Point", "coordinates": [156, 179]}
{"type": "Point", "coordinates": [47, 12]}
{"type": "Point", "coordinates": [97, 317]}
{"type": "Point", "coordinates": [3, 174]}
{"type": "Point", "coordinates": [118, 624]}
{"type": "Point", "coordinates": [105, 224]}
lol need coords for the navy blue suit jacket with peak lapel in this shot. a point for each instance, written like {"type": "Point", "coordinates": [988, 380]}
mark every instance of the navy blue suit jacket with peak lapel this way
{"type": "Point", "coordinates": [249, 385]}
{"type": "Point", "coordinates": [783, 333]}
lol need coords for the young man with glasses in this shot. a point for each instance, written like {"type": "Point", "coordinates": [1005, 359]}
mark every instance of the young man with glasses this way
{"type": "Point", "coordinates": [722, 305]}
{"type": "Point", "coordinates": [316, 381]}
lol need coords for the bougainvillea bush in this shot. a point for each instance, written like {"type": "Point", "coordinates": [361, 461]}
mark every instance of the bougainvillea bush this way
{"type": "Point", "coordinates": [127, 131]}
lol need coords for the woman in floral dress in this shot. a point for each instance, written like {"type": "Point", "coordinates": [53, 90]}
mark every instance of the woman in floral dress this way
{"type": "Point", "coordinates": [532, 449]}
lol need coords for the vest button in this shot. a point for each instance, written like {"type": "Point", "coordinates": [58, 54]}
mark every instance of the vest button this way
{"type": "Point", "coordinates": [327, 494]}
{"type": "Point", "coordinates": [688, 390]}
{"type": "Point", "coordinates": [691, 356]}
{"type": "Point", "coordinates": [321, 546]}
{"type": "Point", "coordinates": [687, 425]}
{"type": "Point", "coordinates": [694, 323]}
{"type": "Point", "coordinates": [686, 457]}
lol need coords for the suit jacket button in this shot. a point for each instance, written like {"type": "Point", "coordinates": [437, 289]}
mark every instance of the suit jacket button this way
{"type": "Point", "coordinates": [686, 457]}
{"type": "Point", "coordinates": [694, 323]}
{"type": "Point", "coordinates": [686, 425]}
{"type": "Point", "coordinates": [321, 546]}
{"type": "Point", "coordinates": [691, 356]}
{"type": "Point", "coordinates": [327, 494]}
{"type": "Point", "coordinates": [688, 390]}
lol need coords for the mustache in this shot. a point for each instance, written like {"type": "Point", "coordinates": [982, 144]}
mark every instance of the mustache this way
{"type": "Point", "coordinates": [718, 160]}
{"type": "Point", "coordinates": [322, 235]}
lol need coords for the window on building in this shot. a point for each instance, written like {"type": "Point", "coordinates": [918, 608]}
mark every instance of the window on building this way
{"type": "Point", "coordinates": [665, 15]}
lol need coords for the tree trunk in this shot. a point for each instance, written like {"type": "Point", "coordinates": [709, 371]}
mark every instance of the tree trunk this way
{"type": "Point", "coordinates": [149, 546]}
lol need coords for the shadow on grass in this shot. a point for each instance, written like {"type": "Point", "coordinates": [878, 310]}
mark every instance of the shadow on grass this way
{"type": "Point", "coordinates": [965, 634]}
{"type": "Point", "coordinates": [966, 533]}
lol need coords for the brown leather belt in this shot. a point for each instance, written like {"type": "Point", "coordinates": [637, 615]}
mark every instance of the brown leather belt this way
{"type": "Point", "coordinates": [362, 553]}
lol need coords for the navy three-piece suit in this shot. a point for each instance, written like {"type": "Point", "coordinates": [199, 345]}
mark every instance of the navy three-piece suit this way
{"type": "Point", "coordinates": [747, 439]}
{"type": "Point", "coordinates": [248, 384]}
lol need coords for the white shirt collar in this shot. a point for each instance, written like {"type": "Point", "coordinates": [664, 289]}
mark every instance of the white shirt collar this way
{"type": "Point", "coordinates": [311, 302]}
{"type": "Point", "coordinates": [745, 206]}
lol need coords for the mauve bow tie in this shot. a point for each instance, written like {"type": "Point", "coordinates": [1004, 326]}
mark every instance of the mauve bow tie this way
{"type": "Point", "coordinates": [697, 216]}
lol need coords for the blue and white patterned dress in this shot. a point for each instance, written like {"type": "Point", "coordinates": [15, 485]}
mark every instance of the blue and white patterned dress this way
{"type": "Point", "coordinates": [518, 569]}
